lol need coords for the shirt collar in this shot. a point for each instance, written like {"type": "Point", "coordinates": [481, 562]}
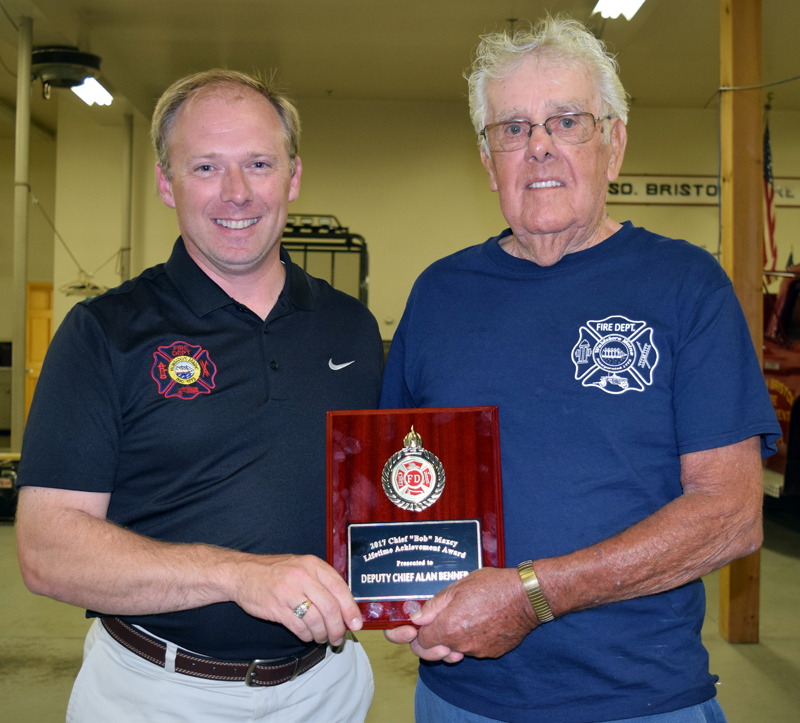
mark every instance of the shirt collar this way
{"type": "Point", "coordinates": [297, 286]}
{"type": "Point", "coordinates": [203, 295]}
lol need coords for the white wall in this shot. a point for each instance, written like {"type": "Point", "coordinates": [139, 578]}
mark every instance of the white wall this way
{"type": "Point", "coordinates": [88, 200]}
{"type": "Point", "coordinates": [685, 142]}
{"type": "Point", "coordinates": [155, 227]}
{"type": "Point", "coordinates": [89, 187]}
{"type": "Point", "coordinates": [40, 235]}
{"type": "Point", "coordinates": [672, 141]}
{"type": "Point", "coordinates": [405, 176]}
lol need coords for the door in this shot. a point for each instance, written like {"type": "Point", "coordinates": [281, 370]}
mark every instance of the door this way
{"type": "Point", "coordinates": [39, 324]}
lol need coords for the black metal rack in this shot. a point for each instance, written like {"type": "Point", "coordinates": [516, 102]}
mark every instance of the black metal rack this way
{"type": "Point", "coordinates": [322, 233]}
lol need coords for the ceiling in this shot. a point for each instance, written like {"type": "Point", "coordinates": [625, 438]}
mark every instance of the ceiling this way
{"type": "Point", "coordinates": [387, 50]}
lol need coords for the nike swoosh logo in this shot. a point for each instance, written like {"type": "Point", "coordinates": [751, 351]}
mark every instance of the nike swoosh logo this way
{"type": "Point", "coordinates": [337, 367]}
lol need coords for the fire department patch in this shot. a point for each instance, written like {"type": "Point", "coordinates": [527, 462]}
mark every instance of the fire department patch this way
{"type": "Point", "coordinates": [183, 370]}
{"type": "Point", "coordinates": [616, 355]}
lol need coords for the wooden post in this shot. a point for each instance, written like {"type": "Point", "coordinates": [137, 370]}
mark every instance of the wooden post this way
{"type": "Point", "coordinates": [741, 196]}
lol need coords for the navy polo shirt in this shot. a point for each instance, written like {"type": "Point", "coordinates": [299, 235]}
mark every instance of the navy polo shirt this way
{"type": "Point", "coordinates": [205, 423]}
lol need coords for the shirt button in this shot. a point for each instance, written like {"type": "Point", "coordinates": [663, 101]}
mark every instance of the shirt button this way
{"type": "Point", "coordinates": [273, 364]}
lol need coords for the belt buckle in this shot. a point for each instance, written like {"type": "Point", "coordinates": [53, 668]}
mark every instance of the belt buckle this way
{"type": "Point", "coordinates": [251, 670]}
{"type": "Point", "coordinates": [296, 668]}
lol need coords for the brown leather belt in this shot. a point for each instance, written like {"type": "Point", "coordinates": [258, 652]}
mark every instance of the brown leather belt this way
{"type": "Point", "coordinates": [256, 672]}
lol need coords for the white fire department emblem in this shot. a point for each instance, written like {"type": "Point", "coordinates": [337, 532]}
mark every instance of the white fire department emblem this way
{"type": "Point", "coordinates": [413, 478]}
{"type": "Point", "coordinates": [615, 354]}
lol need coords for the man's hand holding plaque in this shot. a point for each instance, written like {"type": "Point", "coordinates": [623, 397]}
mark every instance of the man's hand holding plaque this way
{"type": "Point", "coordinates": [414, 504]}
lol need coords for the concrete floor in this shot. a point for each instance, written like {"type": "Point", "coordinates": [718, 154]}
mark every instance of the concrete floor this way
{"type": "Point", "coordinates": [41, 642]}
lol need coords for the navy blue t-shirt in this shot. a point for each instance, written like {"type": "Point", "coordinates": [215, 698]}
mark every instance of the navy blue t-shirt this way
{"type": "Point", "coordinates": [204, 422]}
{"type": "Point", "coordinates": [605, 367]}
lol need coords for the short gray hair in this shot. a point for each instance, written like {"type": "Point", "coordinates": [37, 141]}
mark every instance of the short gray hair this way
{"type": "Point", "coordinates": [182, 90]}
{"type": "Point", "coordinates": [561, 40]}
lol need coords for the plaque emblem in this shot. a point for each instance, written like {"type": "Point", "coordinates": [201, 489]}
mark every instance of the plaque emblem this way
{"type": "Point", "coordinates": [413, 478]}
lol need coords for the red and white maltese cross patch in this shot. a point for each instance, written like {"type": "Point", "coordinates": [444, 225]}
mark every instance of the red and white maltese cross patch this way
{"type": "Point", "coordinates": [183, 370]}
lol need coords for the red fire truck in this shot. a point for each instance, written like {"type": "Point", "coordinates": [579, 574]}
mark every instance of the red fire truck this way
{"type": "Point", "coordinates": [782, 375]}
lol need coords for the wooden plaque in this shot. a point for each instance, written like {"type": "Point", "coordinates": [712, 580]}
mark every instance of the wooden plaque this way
{"type": "Point", "coordinates": [409, 514]}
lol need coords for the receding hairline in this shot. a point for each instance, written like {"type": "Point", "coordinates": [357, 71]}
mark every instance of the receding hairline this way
{"type": "Point", "coordinates": [229, 88]}
{"type": "Point", "coordinates": [222, 81]}
{"type": "Point", "coordinates": [224, 90]}
{"type": "Point", "coordinates": [227, 91]}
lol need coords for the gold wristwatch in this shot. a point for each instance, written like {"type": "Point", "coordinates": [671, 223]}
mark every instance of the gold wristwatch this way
{"type": "Point", "coordinates": [534, 592]}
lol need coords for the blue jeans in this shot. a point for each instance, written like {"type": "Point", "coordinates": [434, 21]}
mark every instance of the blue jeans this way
{"type": "Point", "coordinates": [430, 708]}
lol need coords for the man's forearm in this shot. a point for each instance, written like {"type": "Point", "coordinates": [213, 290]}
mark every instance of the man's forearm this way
{"type": "Point", "coordinates": [93, 563]}
{"type": "Point", "coordinates": [715, 521]}
{"type": "Point", "coordinates": [70, 552]}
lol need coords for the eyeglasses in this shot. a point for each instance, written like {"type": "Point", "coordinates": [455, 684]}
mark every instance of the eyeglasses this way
{"type": "Point", "coordinates": [567, 129]}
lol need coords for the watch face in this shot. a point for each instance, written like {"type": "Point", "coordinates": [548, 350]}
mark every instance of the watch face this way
{"type": "Point", "coordinates": [413, 478]}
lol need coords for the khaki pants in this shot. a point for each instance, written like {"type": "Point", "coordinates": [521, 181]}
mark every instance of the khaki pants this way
{"type": "Point", "coordinates": [117, 686]}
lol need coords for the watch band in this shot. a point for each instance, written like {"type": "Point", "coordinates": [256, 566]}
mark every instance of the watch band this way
{"type": "Point", "coordinates": [534, 592]}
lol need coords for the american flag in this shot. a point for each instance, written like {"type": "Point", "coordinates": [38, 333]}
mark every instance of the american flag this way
{"type": "Point", "coordinates": [770, 249]}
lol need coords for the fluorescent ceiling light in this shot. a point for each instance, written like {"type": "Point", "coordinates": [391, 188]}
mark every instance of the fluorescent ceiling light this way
{"type": "Point", "coordinates": [92, 92]}
{"type": "Point", "coordinates": [615, 8]}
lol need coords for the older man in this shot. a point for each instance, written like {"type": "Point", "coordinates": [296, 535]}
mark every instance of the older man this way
{"type": "Point", "coordinates": [632, 413]}
{"type": "Point", "coordinates": [173, 470]}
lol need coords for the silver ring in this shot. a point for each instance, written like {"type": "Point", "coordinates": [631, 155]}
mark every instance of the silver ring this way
{"type": "Point", "coordinates": [302, 608]}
